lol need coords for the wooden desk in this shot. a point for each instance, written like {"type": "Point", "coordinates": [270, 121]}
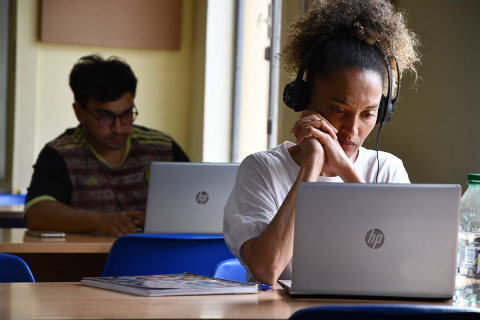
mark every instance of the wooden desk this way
{"type": "Point", "coordinates": [63, 300]}
{"type": "Point", "coordinates": [15, 211]}
{"type": "Point", "coordinates": [15, 241]}
{"type": "Point", "coordinates": [58, 259]}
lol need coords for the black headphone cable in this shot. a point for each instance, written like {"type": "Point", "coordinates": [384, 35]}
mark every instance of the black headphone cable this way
{"type": "Point", "coordinates": [378, 161]}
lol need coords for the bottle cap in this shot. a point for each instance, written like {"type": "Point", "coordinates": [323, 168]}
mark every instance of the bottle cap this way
{"type": "Point", "coordinates": [474, 178]}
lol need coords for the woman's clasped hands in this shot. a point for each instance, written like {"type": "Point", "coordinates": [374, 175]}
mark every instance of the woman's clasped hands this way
{"type": "Point", "coordinates": [318, 137]}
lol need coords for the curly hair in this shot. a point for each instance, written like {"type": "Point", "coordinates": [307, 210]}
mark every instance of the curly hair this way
{"type": "Point", "coordinates": [372, 22]}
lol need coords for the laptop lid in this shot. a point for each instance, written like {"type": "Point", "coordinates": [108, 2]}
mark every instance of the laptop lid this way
{"type": "Point", "coordinates": [396, 240]}
{"type": "Point", "coordinates": [187, 197]}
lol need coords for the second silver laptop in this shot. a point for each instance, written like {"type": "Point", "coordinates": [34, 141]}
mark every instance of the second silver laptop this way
{"type": "Point", "coordinates": [188, 197]}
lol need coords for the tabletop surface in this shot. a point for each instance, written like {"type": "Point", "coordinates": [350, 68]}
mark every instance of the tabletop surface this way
{"type": "Point", "coordinates": [14, 240]}
{"type": "Point", "coordinates": [11, 211]}
{"type": "Point", "coordinates": [71, 300]}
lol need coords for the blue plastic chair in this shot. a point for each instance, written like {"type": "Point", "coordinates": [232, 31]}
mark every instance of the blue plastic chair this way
{"type": "Point", "coordinates": [14, 269]}
{"type": "Point", "coordinates": [386, 312]}
{"type": "Point", "coordinates": [8, 199]}
{"type": "Point", "coordinates": [149, 254]}
{"type": "Point", "coordinates": [230, 269]}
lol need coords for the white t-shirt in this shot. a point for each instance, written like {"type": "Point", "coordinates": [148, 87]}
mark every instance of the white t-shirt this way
{"type": "Point", "coordinates": [264, 180]}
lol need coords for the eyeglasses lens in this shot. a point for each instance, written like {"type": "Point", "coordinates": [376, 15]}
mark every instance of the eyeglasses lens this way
{"type": "Point", "coordinates": [127, 118]}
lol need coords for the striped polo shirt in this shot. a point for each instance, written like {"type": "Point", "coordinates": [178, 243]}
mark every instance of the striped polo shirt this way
{"type": "Point", "coordinates": [69, 170]}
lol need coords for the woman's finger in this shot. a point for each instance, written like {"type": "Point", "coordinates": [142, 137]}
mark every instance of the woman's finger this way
{"type": "Point", "coordinates": [305, 119]}
{"type": "Point", "coordinates": [322, 125]}
{"type": "Point", "coordinates": [316, 117]}
{"type": "Point", "coordinates": [309, 131]}
{"type": "Point", "coordinates": [297, 124]}
{"type": "Point", "coordinates": [313, 116]}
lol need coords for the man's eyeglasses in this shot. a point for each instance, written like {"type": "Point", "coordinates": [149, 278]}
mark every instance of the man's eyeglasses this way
{"type": "Point", "coordinates": [107, 119]}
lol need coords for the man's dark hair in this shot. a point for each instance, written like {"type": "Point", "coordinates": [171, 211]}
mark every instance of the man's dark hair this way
{"type": "Point", "coordinates": [93, 77]}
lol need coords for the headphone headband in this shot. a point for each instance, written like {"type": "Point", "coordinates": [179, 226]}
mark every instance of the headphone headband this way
{"type": "Point", "coordinates": [290, 95]}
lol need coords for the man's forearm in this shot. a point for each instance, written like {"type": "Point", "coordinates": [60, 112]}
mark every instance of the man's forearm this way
{"type": "Point", "coordinates": [53, 215]}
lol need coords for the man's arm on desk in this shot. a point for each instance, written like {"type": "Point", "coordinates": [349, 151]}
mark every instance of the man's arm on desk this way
{"type": "Point", "coordinates": [48, 197]}
{"type": "Point", "coordinates": [57, 216]}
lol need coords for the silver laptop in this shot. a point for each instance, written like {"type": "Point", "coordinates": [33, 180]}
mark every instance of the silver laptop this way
{"type": "Point", "coordinates": [392, 240]}
{"type": "Point", "coordinates": [188, 197]}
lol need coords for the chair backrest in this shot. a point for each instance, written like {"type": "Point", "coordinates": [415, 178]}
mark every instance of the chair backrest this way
{"type": "Point", "coordinates": [230, 269]}
{"type": "Point", "coordinates": [387, 312]}
{"type": "Point", "coordinates": [149, 254]}
{"type": "Point", "coordinates": [8, 199]}
{"type": "Point", "coordinates": [14, 269]}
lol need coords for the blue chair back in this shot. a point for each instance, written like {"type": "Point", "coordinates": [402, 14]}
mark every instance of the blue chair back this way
{"type": "Point", "coordinates": [230, 269]}
{"type": "Point", "coordinates": [14, 269]}
{"type": "Point", "coordinates": [386, 312]}
{"type": "Point", "coordinates": [149, 254]}
{"type": "Point", "coordinates": [8, 199]}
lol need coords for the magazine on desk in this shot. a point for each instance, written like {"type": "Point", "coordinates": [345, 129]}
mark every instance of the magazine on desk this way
{"type": "Point", "coordinates": [178, 284]}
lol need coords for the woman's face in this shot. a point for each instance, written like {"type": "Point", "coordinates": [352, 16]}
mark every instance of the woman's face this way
{"type": "Point", "coordinates": [349, 100]}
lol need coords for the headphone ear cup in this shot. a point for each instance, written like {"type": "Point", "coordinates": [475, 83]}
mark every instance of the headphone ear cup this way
{"type": "Point", "coordinates": [385, 110]}
{"type": "Point", "coordinates": [303, 97]}
{"type": "Point", "coordinates": [288, 95]}
{"type": "Point", "coordinates": [382, 108]}
{"type": "Point", "coordinates": [298, 102]}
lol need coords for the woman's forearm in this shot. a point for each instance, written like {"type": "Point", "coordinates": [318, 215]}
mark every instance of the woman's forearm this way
{"type": "Point", "coordinates": [268, 255]}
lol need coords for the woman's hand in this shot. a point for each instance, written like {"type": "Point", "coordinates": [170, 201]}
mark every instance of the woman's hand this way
{"type": "Point", "coordinates": [308, 121]}
{"type": "Point", "coordinates": [316, 141]}
{"type": "Point", "coordinates": [317, 121]}
{"type": "Point", "coordinates": [314, 126]}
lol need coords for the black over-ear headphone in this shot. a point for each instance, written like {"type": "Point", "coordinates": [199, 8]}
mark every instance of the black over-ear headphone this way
{"type": "Point", "coordinates": [296, 94]}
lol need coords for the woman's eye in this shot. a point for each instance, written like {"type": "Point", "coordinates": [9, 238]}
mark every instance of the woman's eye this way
{"type": "Point", "coordinates": [338, 110]}
{"type": "Point", "coordinates": [369, 115]}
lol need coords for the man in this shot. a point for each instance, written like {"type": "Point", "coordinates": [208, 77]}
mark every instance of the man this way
{"type": "Point", "coordinates": [89, 179]}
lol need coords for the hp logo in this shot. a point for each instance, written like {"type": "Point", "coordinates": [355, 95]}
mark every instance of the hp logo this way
{"type": "Point", "coordinates": [202, 197]}
{"type": "Point", "coordinates": [375, 238]}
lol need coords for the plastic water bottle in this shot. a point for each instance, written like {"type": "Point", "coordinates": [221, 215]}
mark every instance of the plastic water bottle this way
{"type": "Point", "coordinates": [470, 206]}
{"type": "Point", "coordinates": [469, 231]}
{"type": "Point", "coordinates": [467, 283]}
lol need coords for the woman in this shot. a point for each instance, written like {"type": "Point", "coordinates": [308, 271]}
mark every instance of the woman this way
{"type": "Point", "coordinates": [347, 76]}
